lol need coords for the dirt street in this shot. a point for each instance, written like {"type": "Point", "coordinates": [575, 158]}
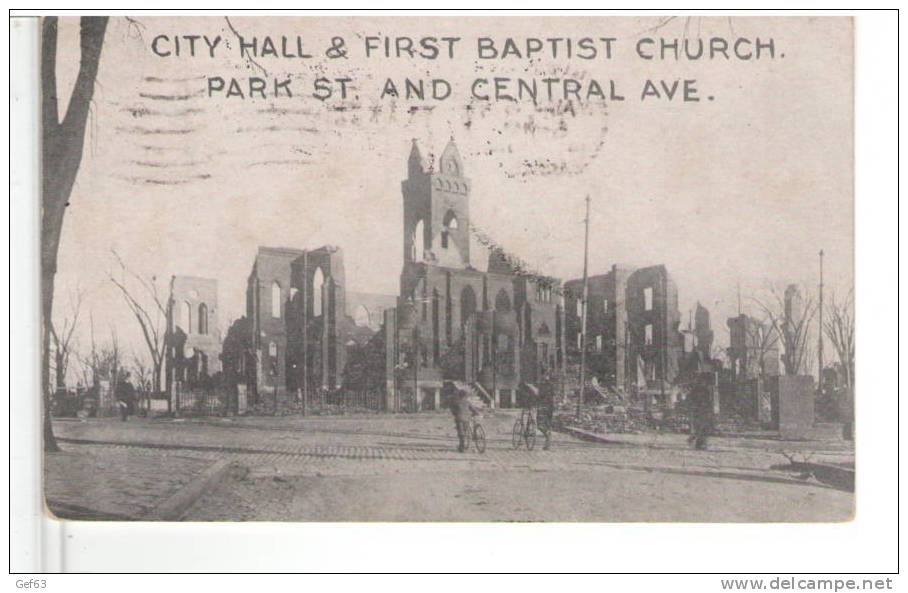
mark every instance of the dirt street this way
{"type": "Point", "coordinates": [406, 467]}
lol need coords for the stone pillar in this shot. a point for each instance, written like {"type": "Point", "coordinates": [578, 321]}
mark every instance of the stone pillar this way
{"type": "Point", "coordinates": [390, 359]}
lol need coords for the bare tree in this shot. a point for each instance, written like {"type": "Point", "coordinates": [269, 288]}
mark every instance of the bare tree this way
{"type": "Point", "coordinates": [141, 371]}
{"type": "Point", "coordinates": [762, 338]}
{"type": "Point", "coordinates": [112, 358]}
{"type": "Point", "coordinates": [839, 328]}
{"type": "Point", "coordinates": [63, 339]}
{"type": "Point", "coordinates": [102, 363]}
{"type": "Point", "coordinates": [143, 374]}
{"type": "Point", "coordinates": [61, 146]}
{"type": "Point", "coordinates": [89, 361]}
{"type": "Point", "coordinates": [149, 307]}
{"type": "Point", "coordinates": [791, 313]}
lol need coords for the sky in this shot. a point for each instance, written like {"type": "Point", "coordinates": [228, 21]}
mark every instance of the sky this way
{"type": "Point", "coordinates": [741, 190]}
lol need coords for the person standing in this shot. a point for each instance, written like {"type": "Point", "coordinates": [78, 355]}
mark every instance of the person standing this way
{"type": "Point", "coordinates": [462, 410]}
{"type": "Point", "coordinates": [125, 397]}
{"type": "Point", "coordinates": [702, 417]}
{"type": "Point", "coordinates": [545, 413]}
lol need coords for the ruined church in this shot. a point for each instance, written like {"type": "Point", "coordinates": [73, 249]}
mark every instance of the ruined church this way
{"type": "Point", "coordinates": [491, 329]}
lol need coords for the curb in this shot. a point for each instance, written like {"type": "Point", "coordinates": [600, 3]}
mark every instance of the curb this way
{"type": "Point", "coordinates": [178, 503]}
{"type": "Point", "coordinates": [587, 436]}
{"type": "Point", "coordinates": [832, 475]}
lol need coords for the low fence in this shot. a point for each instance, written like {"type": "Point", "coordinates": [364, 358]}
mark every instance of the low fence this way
{"type": "Point", "coordinates": [366, 400]}
{"type": "Point", "coordinates": [202, 402]}
{"type": "Point", "coordinates": [215, 402]}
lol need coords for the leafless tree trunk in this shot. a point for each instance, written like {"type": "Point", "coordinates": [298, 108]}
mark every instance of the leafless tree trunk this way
{"type": "Point", "coordinates": [792, 324]}
{"type": "Point", "coordinates": [144, 380]}
{"type": "Point", "coordinates": [61, 151]}
{"type": "Point", "coordinates": [113, 362]}
{"type": "Point", "coordinates": [839, 328]}
{"type": "Point", "coordinates": [763, 337]}
{"type": "Point", "coordinates": [151, 315]}
{"type": "Point", "coordinates": [63, 340]}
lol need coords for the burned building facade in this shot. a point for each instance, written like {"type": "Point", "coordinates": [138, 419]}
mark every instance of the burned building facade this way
{"type": "Point", "coordinates": [494, 329]}
{"type": "Point", "coordinates": [633, 338]}
{"type": "Point", "coordinates": [193, 341]}
{"type": "Point", "coordinates": [299, 329]}
{"type": "Point", "coordinates": [753, 349]}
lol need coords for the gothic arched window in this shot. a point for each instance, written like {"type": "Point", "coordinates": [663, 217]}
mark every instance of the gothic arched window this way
{"type": "Point", "coordinates": [275, 300]}
{"type": "Point", "coordinates": [419, 242]}
{"type": "Point", "coordinates": [187, 317]}
{"type": "Point", "coordinates": [203, 318]}
{"type": "Point", "coordinates": [318, 283]}
{"type": "Point", "coordinates": [467, 304]}
{"type": "Point", "coordinates": [502, 301]}
{"type": "Point", "coordinates": [450, 224]}
{"type": "Point", "coordinates": [361, 316]}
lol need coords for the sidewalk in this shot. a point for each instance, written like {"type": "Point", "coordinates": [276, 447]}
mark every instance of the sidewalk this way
{"type": "Point", "coordinates": [89, 482]}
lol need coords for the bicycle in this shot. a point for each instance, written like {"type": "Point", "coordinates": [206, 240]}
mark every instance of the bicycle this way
{"type": "Point", "coordinates": [524, 430]}
{"type": "Point", "coordinates": [475, 433]}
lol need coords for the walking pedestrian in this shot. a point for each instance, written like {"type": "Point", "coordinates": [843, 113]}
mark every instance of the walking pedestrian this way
{"type": "Point", "coordinates": [462, 410]}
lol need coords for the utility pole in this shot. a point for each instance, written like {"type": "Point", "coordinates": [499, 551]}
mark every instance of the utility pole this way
{"type": "Point", "coordinates": [664, 338]}
{"type": "Point", "coordinates": [305, 301]}
{"type": "Point", "coordinates": [820, 338]}
{"type": "Point", "coordinates": [583, 307]}
{"type": "Point", "coordinates": [416, 368]}
{"type": "Point", "coordinates": [494, 356]}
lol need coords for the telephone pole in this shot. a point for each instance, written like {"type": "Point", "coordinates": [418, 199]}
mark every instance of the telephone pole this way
{"type": "Point", "coordinates": [583, 306]}
{"type": "Point", "coordinates": [305, 307]}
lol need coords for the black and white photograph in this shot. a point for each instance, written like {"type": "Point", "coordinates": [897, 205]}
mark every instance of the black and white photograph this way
{"type": "Point", "coordinates": [448, 269]}
{"type": "Point", "coordinates": [470, 291]}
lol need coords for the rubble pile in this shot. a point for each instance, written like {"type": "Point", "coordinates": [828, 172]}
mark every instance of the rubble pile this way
{"type": "Point", "coordinates": [296, 409]}
{"type": "Point", "coordinates": [602, 418]}
{"type": "Point", "coordinates": [737, 424]}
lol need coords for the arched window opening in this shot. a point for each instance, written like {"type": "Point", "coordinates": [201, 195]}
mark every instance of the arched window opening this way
{"type": "Point", "coordinates": [467, 304]}
{"type": "Point", "coordinates": [419, 242]}
{"type": "Point", "coordinates": [275, 300]}
{"type": "Point", "coordinates": [361, 316]}
{"type": "Point", "coordinates": [436, 341]}
{"type": "Point", "coordinates": [318, 285]}
{"type": "Point", "coordinates": [450, 224]}
{"type": "Point", "coordinates": [272, 358]}
{"type": "Point", "coordinates": [187, 317]}
{"type": "Point", "coordinates": [203, 318]}
{"type": "Point", "coordinates": [502, 301]}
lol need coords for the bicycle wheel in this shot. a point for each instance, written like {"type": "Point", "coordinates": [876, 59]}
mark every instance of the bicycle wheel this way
{"type": "Point", "coordinates": [530, 434]}
{"type": "Point", "coordinates": [517, 433]}
{"type": "Point", "coordinates": [479, 438]}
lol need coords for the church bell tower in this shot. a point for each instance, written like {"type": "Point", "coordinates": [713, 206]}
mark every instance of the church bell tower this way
{"type": "Point", "coordinates": [436, 210]}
